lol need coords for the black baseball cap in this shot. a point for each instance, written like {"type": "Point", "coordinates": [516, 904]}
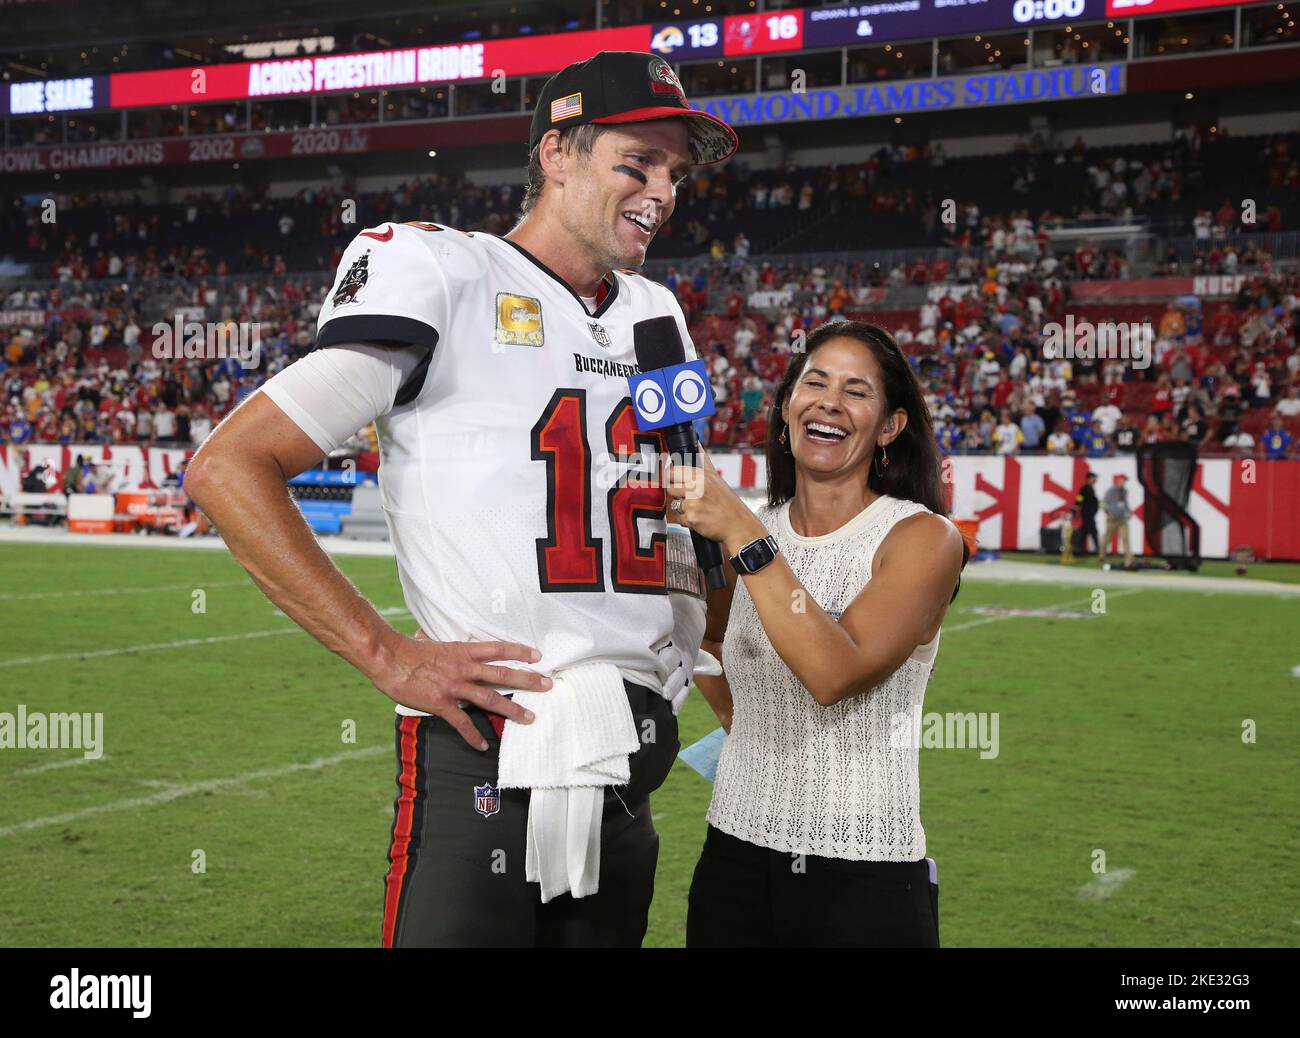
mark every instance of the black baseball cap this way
{"type": "Point", "coordinates": [627, 86]}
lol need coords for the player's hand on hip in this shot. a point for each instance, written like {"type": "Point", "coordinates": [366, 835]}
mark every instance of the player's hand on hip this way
{"type": "Point", "coordinates": [440, 678]}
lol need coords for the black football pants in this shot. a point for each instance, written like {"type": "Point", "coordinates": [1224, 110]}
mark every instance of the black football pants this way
{"type": "Point", "coordinates": [456, 875]}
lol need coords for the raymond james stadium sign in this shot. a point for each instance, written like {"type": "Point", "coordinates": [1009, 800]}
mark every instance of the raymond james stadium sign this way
{"type": "Point", "coordinates": [921, 95]}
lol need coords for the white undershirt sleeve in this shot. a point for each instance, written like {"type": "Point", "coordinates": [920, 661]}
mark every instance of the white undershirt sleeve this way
{"type": "Point", "coordinates": [332, 394]}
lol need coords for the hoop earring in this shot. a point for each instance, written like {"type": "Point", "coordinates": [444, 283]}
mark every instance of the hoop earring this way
{"type": "Point", "coordinates": [781, 439]}
{"type": "Point", "coordinates": [882, 463]}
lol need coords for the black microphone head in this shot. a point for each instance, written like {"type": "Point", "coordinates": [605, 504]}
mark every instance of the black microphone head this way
{"type": "Point", "coordinates": [658, 343]}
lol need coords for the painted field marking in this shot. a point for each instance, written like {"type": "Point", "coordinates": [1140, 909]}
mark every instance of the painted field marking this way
{"type": "Point", "coordinates": [92, 592]}
{"type": "Point", "coordinates": [1061, 605]}
{"type": "Point", "coordinates": [58, 764]}
{"type": "Point", "coordinates": [175, 792]}
{"type": "Point", "coordinates": [1099, 888]}
{"type": "Point", "coordinates": [122, 650]}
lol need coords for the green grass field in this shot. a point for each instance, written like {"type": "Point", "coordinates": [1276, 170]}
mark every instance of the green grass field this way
{"type": "Point", "coordinates": [1119, 732]}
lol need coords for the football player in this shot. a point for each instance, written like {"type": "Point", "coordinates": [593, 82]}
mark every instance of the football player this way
{"type": "Point", "coordinates": [496, 370]}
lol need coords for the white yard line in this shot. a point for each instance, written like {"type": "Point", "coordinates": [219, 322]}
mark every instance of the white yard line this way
{"type": "Point", "coordinates": [160, 589]}
{"type": "Point", "coordinates": [190, 789]}
{"type": "Point", "coordinates": [59, 764]}
{"type": "Point", "coordinates": [1007, 571]}
{"type": "Point", "coordinates": [999, 570]}
{"type": "Point", "coordinates": [332, 543]}
{"type": "Point", "coordinates": [388, 611]}
{"type": "Point", "coordinates": [123, 650]}
{"type": "Point", "coordinates": [1099, 888]}
{"type": "Point", "coordinates": [1062, 605]}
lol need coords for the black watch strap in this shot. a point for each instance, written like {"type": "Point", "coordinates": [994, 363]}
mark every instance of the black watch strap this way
{"type": "Point", "coordinates": [755, 555]}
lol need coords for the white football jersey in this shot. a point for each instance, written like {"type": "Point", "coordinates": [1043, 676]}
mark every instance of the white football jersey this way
{"type": "Point", "coordinates": [523, 504]}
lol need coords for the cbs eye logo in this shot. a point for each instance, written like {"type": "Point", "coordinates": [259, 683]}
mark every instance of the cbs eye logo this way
{"type": "Point", "coordinates": [688, 391]}
{"type": "Point", "coordinates": [651, 402]}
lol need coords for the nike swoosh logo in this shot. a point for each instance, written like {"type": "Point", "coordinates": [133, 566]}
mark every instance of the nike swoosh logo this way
{"type": "Point", "coordinates": [378, 237]}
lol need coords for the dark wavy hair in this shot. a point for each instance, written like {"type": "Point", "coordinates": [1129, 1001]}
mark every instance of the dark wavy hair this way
{"type": "Point", "coordinates": [915, 469]}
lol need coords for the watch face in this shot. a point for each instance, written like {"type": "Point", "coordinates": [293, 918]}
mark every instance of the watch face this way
{"type": "Point", "coordinates": [753, 557]}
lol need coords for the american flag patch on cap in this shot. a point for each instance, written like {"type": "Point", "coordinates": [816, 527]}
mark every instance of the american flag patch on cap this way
{"type": "Point", "coordinates": [566, 107]}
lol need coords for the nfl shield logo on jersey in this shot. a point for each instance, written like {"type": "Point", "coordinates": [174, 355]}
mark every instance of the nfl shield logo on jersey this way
{"type": "Point", "coordinates": [487, 800]}
{"type": "Point", "coordinates": [599, 334]}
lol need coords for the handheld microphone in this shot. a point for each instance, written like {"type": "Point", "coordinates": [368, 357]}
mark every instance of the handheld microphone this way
{"type": "Point", "coordinates": [670, 394]}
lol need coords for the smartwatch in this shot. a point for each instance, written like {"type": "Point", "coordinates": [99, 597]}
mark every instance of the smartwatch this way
{"type": "Point", "coordinates": [755, 555]}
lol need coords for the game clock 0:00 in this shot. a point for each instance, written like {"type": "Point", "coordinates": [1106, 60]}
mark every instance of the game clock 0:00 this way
{"type": "Point", "coordinates": [1026, 11]}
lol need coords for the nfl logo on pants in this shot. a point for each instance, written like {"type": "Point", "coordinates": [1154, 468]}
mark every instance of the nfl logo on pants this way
{"type": "Point", "coordinates": [487, 801]}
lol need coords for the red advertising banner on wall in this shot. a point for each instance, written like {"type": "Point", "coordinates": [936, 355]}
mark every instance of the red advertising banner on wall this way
{"type": "Point", "coordinates": [1134, 8]}
{"type": "Point", "coordinates": [410, 66]}
{"type": "Point", "coordinates": [1159, 288]}
{"type": "Point", "coordinates": [123, 467]}
{"type": "Point", "coordinates": [1237, 502]}
{"type": "Point", "coordinates": [351, 140]}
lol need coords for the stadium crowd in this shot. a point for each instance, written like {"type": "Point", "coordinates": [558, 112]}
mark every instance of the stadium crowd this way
{"type": "Point", "coordinates": [83, 370]}
{"type": "Point", "coordinates": [905, 195]}
{"type": "Point", "coordinates": [1227, 377]}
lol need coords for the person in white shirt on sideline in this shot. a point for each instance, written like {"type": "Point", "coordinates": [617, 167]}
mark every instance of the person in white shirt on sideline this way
{"type": "Point", "coordinates": [827, 643]}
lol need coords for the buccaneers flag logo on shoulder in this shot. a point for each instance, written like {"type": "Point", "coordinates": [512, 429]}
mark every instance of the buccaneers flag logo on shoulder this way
{"type": "Point", "coordinates": [353, 281]}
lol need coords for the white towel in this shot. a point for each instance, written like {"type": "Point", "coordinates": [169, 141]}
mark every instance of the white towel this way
{"type": "Point", "coordinates": [579, 743]}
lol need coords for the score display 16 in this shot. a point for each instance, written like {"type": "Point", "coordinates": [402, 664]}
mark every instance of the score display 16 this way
{"type": "Point", "coordinates": [733, 36]}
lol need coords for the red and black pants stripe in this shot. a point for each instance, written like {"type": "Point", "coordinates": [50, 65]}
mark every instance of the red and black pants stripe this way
{"type": "Point", "coordinates": [456, 875]}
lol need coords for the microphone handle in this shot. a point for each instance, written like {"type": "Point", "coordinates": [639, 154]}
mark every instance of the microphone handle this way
{"type": "Point", "coordinates": [680, 441]}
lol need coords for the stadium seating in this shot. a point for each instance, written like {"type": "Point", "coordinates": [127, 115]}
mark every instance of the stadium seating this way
{"type": "Point", "coordinates": [74, 377]}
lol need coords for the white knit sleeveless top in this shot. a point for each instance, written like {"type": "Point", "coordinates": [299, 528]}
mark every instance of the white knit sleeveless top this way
{"type": "Point", "coordinates": [808, 779]}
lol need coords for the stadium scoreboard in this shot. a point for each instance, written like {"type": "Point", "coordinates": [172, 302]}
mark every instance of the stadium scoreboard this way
{"type": "Point", "coordinates": [731, 36]}
{"type": "Point", "coordinates": [849, 25]}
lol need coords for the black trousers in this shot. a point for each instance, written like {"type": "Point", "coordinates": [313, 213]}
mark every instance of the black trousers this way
{"type": "Point", "coordinates": [745, 896]}
{"type": "Point", "coordinates": [456, 860]}
{"type": "Point", "coordinates": [1087, 532]}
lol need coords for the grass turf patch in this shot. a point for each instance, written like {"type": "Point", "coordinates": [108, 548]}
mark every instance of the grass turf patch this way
{"type": "Point", "coordinates": [1120, 733]}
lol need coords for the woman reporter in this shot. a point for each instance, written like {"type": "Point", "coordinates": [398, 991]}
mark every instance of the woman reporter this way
{"type": "Point", "coordinates": [827, 641]}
